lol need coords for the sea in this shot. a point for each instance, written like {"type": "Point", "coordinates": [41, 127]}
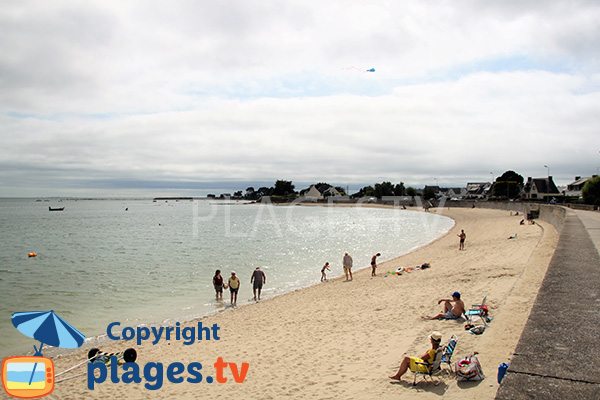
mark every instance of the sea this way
{"type": "Point", "coordinates": [151, 262]}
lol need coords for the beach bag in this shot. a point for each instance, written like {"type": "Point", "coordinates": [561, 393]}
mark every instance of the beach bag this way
{"type": "Point", "coordinates": [477, 330]}
{"type": "Point", "coordinates": [469, 369]}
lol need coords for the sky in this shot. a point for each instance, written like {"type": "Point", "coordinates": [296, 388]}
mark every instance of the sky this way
{"type": "Point", "coordinates": [148, 98]}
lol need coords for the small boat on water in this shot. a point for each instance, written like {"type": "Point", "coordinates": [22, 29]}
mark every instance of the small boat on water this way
{"type": "Point", "coordinates": [56, 209]}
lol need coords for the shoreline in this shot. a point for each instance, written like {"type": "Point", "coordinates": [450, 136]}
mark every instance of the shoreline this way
{"type": "Point", "coordinates": [195, 298]}
{"type": "Point", "coordinates": [102, 340]}
{"type": "Point", "coordinates": [359, 332]}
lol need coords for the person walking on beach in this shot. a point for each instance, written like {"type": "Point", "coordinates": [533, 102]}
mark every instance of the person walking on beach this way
{"type": "Point", "coordinates": [347, 263]}
{"type": "Point", "coordinates": [451, 312]}
{"type": "Point", "coordinates": [234, 286]}
{"type": "Point", "coordinates": [462, 235]}
{"type": "Point", "coordinates": [323, 274]}
{"type": "Point", "coordinates": [258, 277]}
{"type": "Point", "coordinates": [374, 263]}
{"type": "Point", "coordinates": [218, 284]}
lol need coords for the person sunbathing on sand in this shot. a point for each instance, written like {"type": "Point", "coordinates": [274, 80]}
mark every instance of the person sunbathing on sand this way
{"type": "Point", "coordinates": [451, 312]}
{"type": "Point", "coordinates": [410, 362]}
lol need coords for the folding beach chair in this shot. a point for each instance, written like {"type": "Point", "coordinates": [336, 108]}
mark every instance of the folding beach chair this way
{"type": "Point", "coordinates": [429, 370]}
{"type": "Point", "coordinates": [448, 351]}
{"type": "Point", "coordinates": [477, 310]}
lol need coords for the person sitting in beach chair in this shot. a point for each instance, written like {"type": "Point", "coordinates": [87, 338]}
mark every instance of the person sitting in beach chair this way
{"type": "Point", "coordinates": [450, 311]}
{"type": "Point", "coordinates": [424, 364]}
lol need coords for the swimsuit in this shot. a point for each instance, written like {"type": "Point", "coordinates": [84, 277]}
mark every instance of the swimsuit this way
{"type": "Point", "coordinates": [218, 283]}
{"type": "Point", "coordinates": [449, 315]}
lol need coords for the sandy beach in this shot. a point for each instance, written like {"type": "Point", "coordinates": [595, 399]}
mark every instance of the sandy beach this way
{"type": "Point", "coordinates": [341, 340]}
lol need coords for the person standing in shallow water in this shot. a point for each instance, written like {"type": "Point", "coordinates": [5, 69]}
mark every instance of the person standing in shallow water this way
{"type": "Point", "coordinates": [463, 236]}
{"type": "Point", "coordinates": [258, 278]}
{"type": "Point", "coordinates": [234, 286]}
{"type": "Point", "coordinates": [323, 273]}
{"type": "Point", "coordinates": [218, 284]}
{"type": "Point", "coordinates": [347, 262]}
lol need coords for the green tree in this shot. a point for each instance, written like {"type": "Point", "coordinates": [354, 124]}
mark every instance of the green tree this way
{"type": "Point", "coordinates": [428, 193]}
{"type": "Point", "coordinates": [508, 185]}
{"type": "Point", "coordinates": [591, 191]}
{"type": "Point", "coordinates": [283, 188]}
{"type": "Point", "coordinates": [250, 194]}
{"type": "Point", "coordinates": [367, 191]}
{"type": "Point", "coordinates": [341, 190]}
{"type": "Point", "coordinates": [263, 191]}
{"type": "Point", "coordinates": [384, 189]}
{"type": "Point", "coordinates": [399, 189]}
{"type": "Point", "coordinates": [411, 191]}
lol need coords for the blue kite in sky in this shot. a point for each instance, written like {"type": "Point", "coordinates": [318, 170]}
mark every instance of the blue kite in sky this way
{"type": "Point", "coordinates": [361, 70]}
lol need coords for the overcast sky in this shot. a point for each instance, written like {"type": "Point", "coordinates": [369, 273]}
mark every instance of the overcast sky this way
{"type": "Point", "coordinates": [129, 98]}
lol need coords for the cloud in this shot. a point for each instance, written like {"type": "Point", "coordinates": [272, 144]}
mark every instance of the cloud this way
{"type": "Point", "coordinates": [257, 91]}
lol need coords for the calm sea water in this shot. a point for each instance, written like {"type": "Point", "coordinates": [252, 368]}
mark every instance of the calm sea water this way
{"type": "Point", "coordinates": [144, 262]}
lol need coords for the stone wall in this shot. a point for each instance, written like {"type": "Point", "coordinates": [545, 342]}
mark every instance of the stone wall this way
{"type": "Point", "coordinates": [555, 215]}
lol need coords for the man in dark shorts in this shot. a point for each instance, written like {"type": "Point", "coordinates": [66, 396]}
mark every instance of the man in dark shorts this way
{"type": "Point", "coordinates": [374, 263]}
{"type": "Point", "coordinates": [234, 286]}
{"type": "Point", "coordinates": [258, 278]}
{"type": "Point", "coordinates": [462, 236]}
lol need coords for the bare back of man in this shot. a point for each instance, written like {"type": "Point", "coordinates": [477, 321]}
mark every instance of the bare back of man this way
{"type": "Point", "coordinates": [451, 311]}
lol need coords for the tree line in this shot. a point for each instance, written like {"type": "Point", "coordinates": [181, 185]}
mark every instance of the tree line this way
{"type": "Point", "coordinates": [509, 185]}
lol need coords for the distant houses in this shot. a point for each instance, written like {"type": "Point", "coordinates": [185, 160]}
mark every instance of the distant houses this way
{"type": "Point", "coordinates": [454, 193]}
{"type": "Point", "coordinates": [533, 189]}
{"type": "Point", "coordinates": [574, 188]}
{"type": "Point", "coordinates": [478, 190]}
{"type": "Point", "coordinates": [319, 192]}
{"type": "Point", "coordinates": [313, 194]}
{"type": "Point", "coordinates": [538, 188]}
{"type": "Point", "coordinates": [509, 186]}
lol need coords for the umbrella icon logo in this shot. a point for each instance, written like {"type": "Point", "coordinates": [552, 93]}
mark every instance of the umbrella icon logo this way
{"type": "Point", "coordinates": [32, 377]}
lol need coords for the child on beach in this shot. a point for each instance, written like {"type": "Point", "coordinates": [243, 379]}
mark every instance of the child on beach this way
{"type": "Point", "coordinates": [374, 263]}
{"type": "Point", "coordinates": [323, 274]}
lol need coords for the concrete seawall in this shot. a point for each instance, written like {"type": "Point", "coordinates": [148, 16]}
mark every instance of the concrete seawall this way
{"type": "Point", "coordinates": [557, 356]}
{"type": "Point", "coordinates": [554, 215]}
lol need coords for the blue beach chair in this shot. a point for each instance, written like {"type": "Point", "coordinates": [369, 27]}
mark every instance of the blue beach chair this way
{"type": "Point", "coordinates": [477, 310]}
{"type": "Point", "coordinates": [448, 351]}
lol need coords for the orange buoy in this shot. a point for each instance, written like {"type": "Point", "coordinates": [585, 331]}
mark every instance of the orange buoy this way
{"type": "Point", "coordinates": [32, 254]}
